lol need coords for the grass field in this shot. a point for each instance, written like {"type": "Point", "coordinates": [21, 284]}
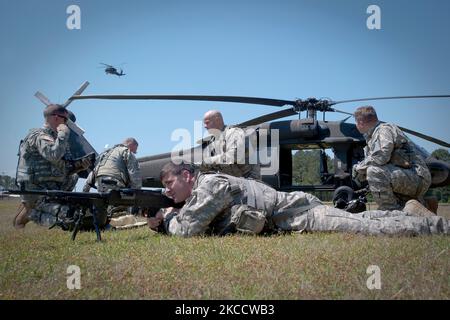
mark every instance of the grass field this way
{"type": "Point", "coordinates": [139, 264]}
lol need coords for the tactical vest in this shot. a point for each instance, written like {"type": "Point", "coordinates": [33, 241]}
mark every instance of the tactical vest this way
{"type": "Point", "coordinates": [218, 146]}
{"type": "Point", "coordinates": [33, 167]}
{"type": "Point", "coordinates": [405, 155]}
{"type": "Point", "coordinates": [112, 163]}
{"type": "Point", "coordinates": [249, 192]}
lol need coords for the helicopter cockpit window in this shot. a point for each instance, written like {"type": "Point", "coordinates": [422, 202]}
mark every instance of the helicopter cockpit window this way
{"type": "Point", "coordinates": [311, 166]}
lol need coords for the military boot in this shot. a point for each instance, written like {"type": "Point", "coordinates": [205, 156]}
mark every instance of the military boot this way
{"type": "Point", "coordinates": [432, 204]}
{"type": "Point", "coordinates": [21, 218]}
{"type": "Point", "coordinates": [415, 208]}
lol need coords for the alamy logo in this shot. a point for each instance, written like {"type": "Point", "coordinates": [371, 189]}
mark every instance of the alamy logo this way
{"type": "Point", "coordinates": [374, 20]}
{"type": "Point", "coordinates": [74, 277]}
{"type": "Point", "coordinates": [247, 147]}
{"type": "Point", "coordinates": [374, 281]}
{"type": "Point", "coordinates": [74, 20]}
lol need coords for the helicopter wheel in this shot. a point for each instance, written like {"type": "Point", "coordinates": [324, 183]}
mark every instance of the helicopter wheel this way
{"type": "Point", "coordinates": [342, 196]}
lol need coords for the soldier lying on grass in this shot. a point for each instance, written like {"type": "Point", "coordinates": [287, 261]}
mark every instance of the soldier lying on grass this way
{"type": "Point", "coordinates": [218, 204]}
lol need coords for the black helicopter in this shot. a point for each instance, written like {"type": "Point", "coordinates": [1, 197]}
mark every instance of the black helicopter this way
{"type": "Point", "coordinates": [109, 69]}
{"type": "Point", "coordinates": [342, 138]}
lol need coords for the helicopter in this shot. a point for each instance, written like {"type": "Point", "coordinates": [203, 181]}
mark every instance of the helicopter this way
{"type": "Point", "coordinates": [112, 70]}
{"type": "Point", "coordinates": [343, 139]}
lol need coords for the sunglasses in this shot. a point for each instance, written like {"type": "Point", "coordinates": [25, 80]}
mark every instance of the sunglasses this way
{"type": "Point", "coordinates": [60, 116]}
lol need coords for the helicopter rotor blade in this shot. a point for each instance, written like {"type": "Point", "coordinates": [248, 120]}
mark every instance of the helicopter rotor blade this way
{"type": "Point", "coordinates": [425, 137]}
{"type": "Point", "coordinates": [238, 99]}
{"type": "Point", "coordinates": [268, 117]}
{"type": "Point", "coordinates": [390, 98]}
{"type": "Point", "coordinates": [336, 110]}
{"type": "Point", "coordinates": [42, 98]}
{"type": "Point", "coordinates": [414, 133]}
{"type": "Point", "coordinates": [76, 93]}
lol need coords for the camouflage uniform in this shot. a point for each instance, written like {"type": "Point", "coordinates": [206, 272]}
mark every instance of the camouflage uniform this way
{"type": "Point", "coordinates": [228, 153]}
{"type": "Point", "coordinates": [218, 201]}
{"type": "Point", "coordinates": [119, 166]}
{"type": "Point", "coordinates": [42, 166]}
{"type": "Point", "coordinates": [393, 168]}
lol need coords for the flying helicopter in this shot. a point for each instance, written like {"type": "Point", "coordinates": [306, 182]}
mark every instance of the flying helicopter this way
{"type": "Point", "coordinates": [109, 69]}
{"type": "Point", "coordinates": [341, 137]}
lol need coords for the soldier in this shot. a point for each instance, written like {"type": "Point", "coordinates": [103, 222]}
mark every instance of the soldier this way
{"type": "Point", "coordinates": [394, 170]}
{"type": "Point", "coordinates": [116, 168]}
{"type": "Point", "coordinates": [42, 165]}
{"type": "Point", "coordinates": [220, 204]}
{"type": "Point", "coordinates": [226, 151]}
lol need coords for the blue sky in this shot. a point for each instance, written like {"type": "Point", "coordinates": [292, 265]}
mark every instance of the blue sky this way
{"type": "Point", "coordinates": [272, 49]}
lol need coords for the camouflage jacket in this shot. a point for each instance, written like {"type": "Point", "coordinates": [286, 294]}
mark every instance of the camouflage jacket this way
{"type": "Point", "coordinates": [41, 157]}
{"type": "Point", "coordinates": [119, 163]}
{"type": "Point", "coordinates": [387, 144]}
{"type": "Point", "coordinates": [227, 153]}
{"type": "Point", "coordinates": [208, 210]}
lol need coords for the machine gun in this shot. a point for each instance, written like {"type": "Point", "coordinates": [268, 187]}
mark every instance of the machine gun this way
{"type": "Point", "coordinates": [90, 209]}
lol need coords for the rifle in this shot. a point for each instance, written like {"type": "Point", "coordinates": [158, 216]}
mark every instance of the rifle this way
{"type": "Point", "coordinates": [97, 203]}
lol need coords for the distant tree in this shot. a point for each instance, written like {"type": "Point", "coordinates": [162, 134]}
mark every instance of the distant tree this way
{"type": "Point", "coordinates": [7, 182]}
{"type": "Point", "coordinates": [304, 167]}
{"type": "Point", "coordinates": [441, 154]}
{"type": "Point", "coordinates": [306, 170]}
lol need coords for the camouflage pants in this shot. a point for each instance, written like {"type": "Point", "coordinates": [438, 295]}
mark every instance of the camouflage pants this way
{"type": "Point", "coordinates": [392, 186]}
{"type": "Point", "coordinates": [31, 200]}
{"type": "Point", "coordinates": [375, 222]}
{"type": "Point", "coordinates": [48, 213]}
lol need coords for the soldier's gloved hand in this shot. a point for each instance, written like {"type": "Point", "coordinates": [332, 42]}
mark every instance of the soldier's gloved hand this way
{"type": "Point", "coordinates": [63, 131]}
{"type": "Point", "coordinates": [87, 187]}
{"type": "Point", "coordinates": [85, 163]}
{"type": "Point", "coordinates": [80, 165]}
{"type": "Point", "coordinates": [354, 172]}
{"type": "Point", "coordinates": [359, 173]}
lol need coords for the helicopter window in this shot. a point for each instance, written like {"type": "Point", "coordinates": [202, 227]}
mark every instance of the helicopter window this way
{"type": "Point", "coordinates": [311, 166]}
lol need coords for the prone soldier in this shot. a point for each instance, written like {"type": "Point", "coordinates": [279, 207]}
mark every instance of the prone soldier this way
{"type": "Point", "coordinates": [219, 204]}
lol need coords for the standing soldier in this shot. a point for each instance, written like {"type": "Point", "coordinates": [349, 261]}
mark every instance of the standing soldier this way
{"type": "Point", "coordinates": [42, 165]}
{"type": "Point", "coordinates": [227, 150]}
{"type": "Point", "coordinates": [397, 175]}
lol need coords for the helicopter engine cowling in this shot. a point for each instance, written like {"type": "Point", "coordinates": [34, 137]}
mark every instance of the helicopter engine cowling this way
{"type": "Point", "coordinates": [440, 172]}
{"type": "Point", "coordinates": [304, 128]}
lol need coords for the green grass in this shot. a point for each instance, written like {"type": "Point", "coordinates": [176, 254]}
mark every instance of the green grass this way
{"type": "Point", "coordinates": [139, 264]}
